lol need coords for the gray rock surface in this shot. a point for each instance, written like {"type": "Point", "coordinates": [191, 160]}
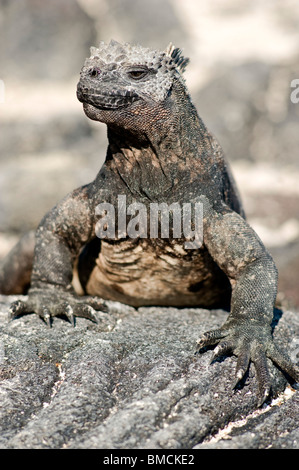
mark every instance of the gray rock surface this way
{"type": "Point", "coordinates": [132, 381]}
{"type": "Point", "coordinates": [32, 31]}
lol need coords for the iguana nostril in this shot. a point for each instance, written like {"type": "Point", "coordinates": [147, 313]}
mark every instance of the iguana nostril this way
{"type": "Point", "coordinates": [95, 71]}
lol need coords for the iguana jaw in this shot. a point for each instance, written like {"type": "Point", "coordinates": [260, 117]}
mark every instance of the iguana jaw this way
{"type": "Point", "coordinates": [106, 99]}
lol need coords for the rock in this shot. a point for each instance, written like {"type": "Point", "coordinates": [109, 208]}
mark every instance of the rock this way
{"type": "Point", "coordinates": [253, 431]}
{"type": "Point", "coordinates": [132, 381]}
{"type": "Point", "coordinates": [153, 24]}
{"type": "Point", "coordinates": [33, 32]}
{"type": "Point", "coordinates": [249, 109]}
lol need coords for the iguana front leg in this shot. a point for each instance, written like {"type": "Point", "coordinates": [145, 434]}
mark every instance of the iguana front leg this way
{"type": "Point", "coordinates": [247, 332]}
{"type": "Point", "coordinates": [59, 238]}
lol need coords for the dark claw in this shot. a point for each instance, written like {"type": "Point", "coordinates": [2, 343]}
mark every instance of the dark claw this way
{"type": "Point", "coordinates": [17, 308]}
{"type": "Point", "coordinates": [262, 396]}
{"type": "Point", "coordinates": [69, 312]}
{"type": "Point", "coordinates": [86, 311]}
{"type": "Point", "coordinates": [284, 362]}
{"type": "Point", "coordinates": [242, 366]}
{"type": "Point", "coordinates": [96, 304]}
{"type": "Point", "coordinates": [223, 348]}
{"type": "Point", "coordinates": [46, 316]}
{"type": "Point", "coordinates": [263, 376]}
{"type": "Point", "coordinates": [210, 338]}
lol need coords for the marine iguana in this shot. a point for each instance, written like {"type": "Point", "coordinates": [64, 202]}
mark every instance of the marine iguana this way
{"type": "Point", "coordinates": [159, 151]}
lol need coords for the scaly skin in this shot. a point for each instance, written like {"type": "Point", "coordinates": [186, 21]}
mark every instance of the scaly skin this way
{"type": "Point", "coordinates": [159, 151]}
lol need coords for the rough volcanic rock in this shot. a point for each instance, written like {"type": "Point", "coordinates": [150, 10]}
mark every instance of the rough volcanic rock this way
{"type": "Point", "coordinates": [132, 381]}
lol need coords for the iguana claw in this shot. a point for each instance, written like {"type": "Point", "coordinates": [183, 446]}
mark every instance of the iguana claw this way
{"type": "Point", "coordinates": [250, 343]}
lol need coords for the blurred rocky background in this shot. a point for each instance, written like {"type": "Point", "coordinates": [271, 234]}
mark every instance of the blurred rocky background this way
{"type": "Point", "coordinates": [244, 56]}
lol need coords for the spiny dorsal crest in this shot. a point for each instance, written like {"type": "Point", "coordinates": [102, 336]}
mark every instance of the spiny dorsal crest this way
{"type": "Point", "coordinates": [170, 60]}
{"type": "Point", "coordinates": [176, 55]}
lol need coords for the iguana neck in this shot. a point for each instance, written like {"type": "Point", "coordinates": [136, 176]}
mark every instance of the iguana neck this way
{"type": "Point", "coordinates": [152, 161]}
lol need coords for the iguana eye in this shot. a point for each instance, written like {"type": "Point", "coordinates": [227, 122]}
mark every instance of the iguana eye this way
{"type": "Point", "coordinates": [137, 74]}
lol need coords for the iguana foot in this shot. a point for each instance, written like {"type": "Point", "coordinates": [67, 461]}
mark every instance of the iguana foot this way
{"type": "Point", "coordinates": [49, 303]}
{"type": "Point", "coordinates": [250, 343]}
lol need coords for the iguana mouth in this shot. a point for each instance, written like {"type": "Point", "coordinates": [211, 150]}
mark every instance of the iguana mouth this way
{"type": "Point", "coordinates": [106, 99]}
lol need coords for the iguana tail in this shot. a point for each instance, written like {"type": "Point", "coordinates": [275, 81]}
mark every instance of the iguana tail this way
{"type": "Point", "coordinates": [16, 267]}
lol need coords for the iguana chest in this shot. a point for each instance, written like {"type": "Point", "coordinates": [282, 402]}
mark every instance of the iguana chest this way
{"type": "Point", "coordinates": [157, 272]}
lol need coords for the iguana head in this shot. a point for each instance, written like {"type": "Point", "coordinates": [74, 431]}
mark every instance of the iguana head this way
{"type": "Point", "coordinates": [121, 82]}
